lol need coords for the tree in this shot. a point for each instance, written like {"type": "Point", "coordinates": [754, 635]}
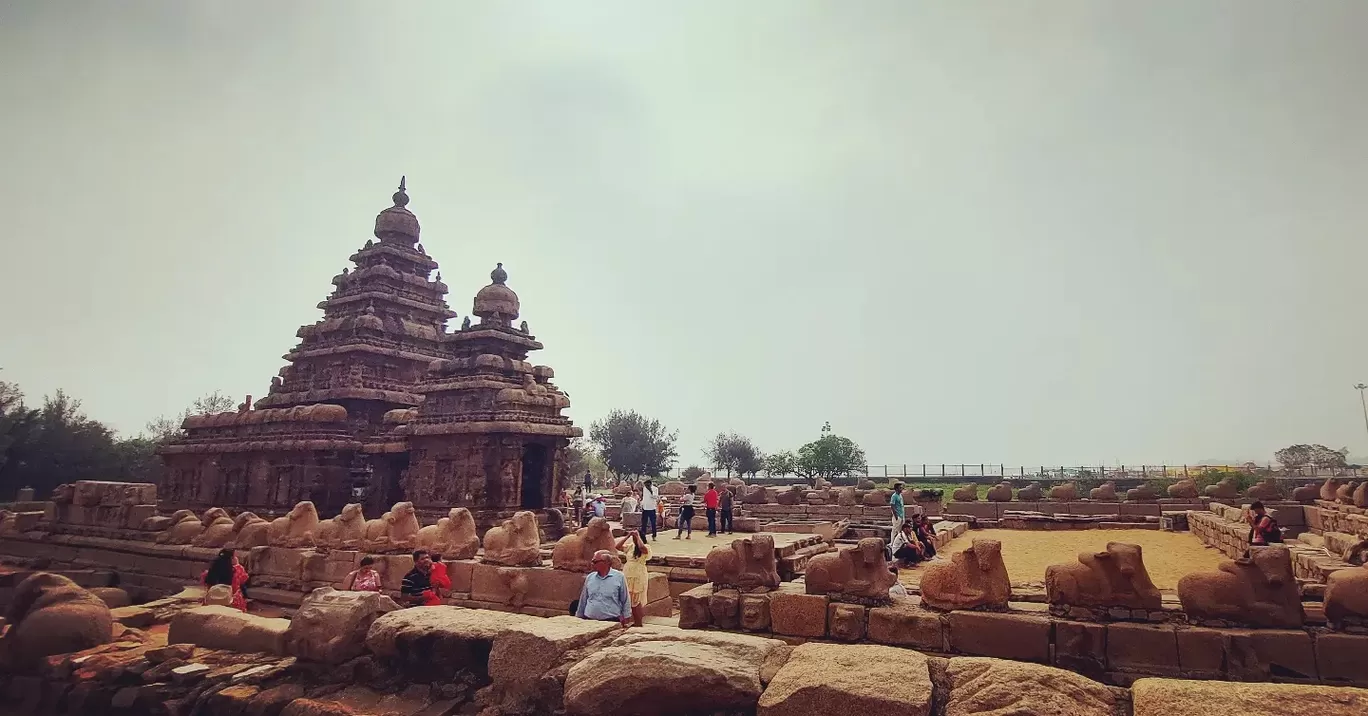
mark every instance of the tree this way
{"type": "Point", "coordinates": [830, 456]}
{"type": "Point", "coordinates": [1297, 457]}
{"type": "Point", "coordinates": [781, 463]}
{"type": "Point", "coordinates": [166, 427]}
{"type": "Point", "coordinates": [57, 444]}
{"type": "Point", "coordinates": [632, 444]}
{"type": "Point", "coordinates": [730, 451]}
{"type": "Point", "coordinates": [692, 473]}
{"type": "Point", "coordinates": [583, 458]}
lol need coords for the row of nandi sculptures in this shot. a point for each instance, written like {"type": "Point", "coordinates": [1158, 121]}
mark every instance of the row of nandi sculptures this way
{"type": "Point", "coordinates": [1227, 489]}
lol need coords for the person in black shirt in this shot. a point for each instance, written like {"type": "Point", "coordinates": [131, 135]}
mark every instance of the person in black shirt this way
{"type": "Point", "coordinates": [416, 589]}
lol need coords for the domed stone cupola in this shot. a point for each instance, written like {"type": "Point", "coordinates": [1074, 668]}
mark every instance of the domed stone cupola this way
{"type": "Point", "coordinates": [397, 224]}
{"type": "Point", "coordinates": [496, 303]}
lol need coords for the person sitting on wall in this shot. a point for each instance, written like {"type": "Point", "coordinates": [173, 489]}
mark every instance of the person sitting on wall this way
{"type": "Point", "coordinates": [907, 551]}
{"type": "Point", "coordinates": [1263, 529]}
{"type": "Point", "coordinates": [598, 508]}
{"type": "Point", "coordinates": [441, 582]}
{"type": "Point", "coordinates": [363, 578]}
{"type": "Point", "coordinates": [604, 596]}
{"type": "Point", "coordinates": [417, 589]}
{"type": "Point", "coordinates": [226, 570]}
{"type": "Point", "coordinates": [925, 533]}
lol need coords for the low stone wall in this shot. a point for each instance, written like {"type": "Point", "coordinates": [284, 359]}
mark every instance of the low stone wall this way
{"type": "Point", "coordinates": [1228, 537]}
{"type": "Point", "coordinates": [1334, 517]}
{"type": "Point", "coordinates": [1224, 529]}
{"type": "Point", "coordinates": [1116, 652]}
{"type": "Point", "coordinates": [994, 510]}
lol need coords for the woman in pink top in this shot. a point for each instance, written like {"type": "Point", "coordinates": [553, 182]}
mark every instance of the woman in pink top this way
{"type": "Point", "coordinates": [363, 579]}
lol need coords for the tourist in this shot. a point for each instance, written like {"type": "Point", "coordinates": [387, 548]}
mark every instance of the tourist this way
{"type": "Point", "coordinates": [897, 590]}
{"type": "Point", "coordinates": [630, 503]}
{"type": "Point", "coordinates": [686, 513]}
{"type": "Point", "coordinates": [416, 590]}
{"type": "Point", "coordinates": [906, 549]}
{"type": "Point", "coordinates": [598, 506]}
{"type": "Point", "coordinates": [441, 582]}
{"type": "Point", "coordinates": [363, 578]}
{"type": "Point", "coordinates": [650, 501]}
{"type": "Point", "coordinates": [726, 507]}
{"type": "Point", "coordinates": [1263, 529]}
{"type": "Point", "coordinates": [710, 501]}
{"type": "Point", "coordinates": [895, 501]}
{"type": "Point", "coordinates": [588, 481]}
{"type": "Point", "coordinates": [926, 534]}
{"type": "Point", "coordinates": [634, 571]}
{"type": "Point", "coordinates": [226, 570]}
{"type": "Point", "coordinates": [604, 596]}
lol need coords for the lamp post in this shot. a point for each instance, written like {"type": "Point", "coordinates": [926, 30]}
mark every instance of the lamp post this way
{"type": "Point", "coordinates": [1362, 387]}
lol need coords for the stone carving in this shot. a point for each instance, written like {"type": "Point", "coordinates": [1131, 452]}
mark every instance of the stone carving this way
{"type": "Point", "coordinates": [965, 493]}
{"type": "Point", "coordinates": [1259, 590]}
{"type": "Point", "coordinates": [330, 626]}
{"type": "Point", "coordinates": [50, 614]}
{"type": "Point", "coordinates": [1227, 489]}
{"type": "Point", "coordinates": [1328, 489]}
{"type": "Point", "coordinates": [673, 487]}
{"type": "Point", "coordinates": [573, 551]}
{"type": "Point", "coordinates": [853, 573]}
{"type": "Point", "coordinates": [748, 564]}
{"type": "Point", "coordinates": [1360, 497]}
{"type": "Point", "coordinates": [1115, 577]}
{"type": "Point", "coordinates": [1106, 492]}
{"type": "Point", "coordinates": [218, 528]}
{"type": "Point", "coordinates": [865, 483]}
{"type": "Point", "coordinates": [296, 529]}
{"type": "Point", "coordinates": [759, 495]}
{"type": "Point", "coordinates": [185, 526]}
{"type": "Point", "coordinates": [1031, 493]}
{"type": "Point", "coordinates": [1306, 493]}
{"type": "Point", "coordinates": [1266, 489]}
{"type": "Point", "coordinates": [1001, 492]}
{"type": "Point", "coordinates": [792, 496]}
{"type": "Point", "coordinates": [517, 584]}
{"type": "Point", "coordinates": [1346, 596]}
{"type": "Point", "coordinates": [1184, 489]}
{"type": "Point", "coordinates": [973, 578]}
{"type": "Point", "coordinates": [240, 523]}
{"type": "Point", "coordinates": [395, 531]}
{"type": "Point", "coordinates": [1143, 493]}
{"type": "Point", "coordinates": [1066, 492]}
{"type": "Point", "coordinates": [875, 498]}
{"type": "Point", "coordinates": [345, 531]}
{"type": "Point", "coordinates": [755, 615]}
{"type": "Point", "coordinates": [845, 497]}
{"type": "Point", "coordinates": [1344, 494]}
{"type": "Point", "coordinates": [63, 493]}
{"type": "Point", "coordinates": [453, 536]}
{"type": "Point", "coordinates": [515, 543]}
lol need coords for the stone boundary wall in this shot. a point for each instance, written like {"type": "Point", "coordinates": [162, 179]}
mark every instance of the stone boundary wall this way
{"type": "Point", "coordinates": [994, 510]}
{"type": "Point", "coordinates": [1225, 530]}
{"type": "Point", "coordinates": [1116, 652]}
{"type": "Point", "coordinates": [1326, 516]}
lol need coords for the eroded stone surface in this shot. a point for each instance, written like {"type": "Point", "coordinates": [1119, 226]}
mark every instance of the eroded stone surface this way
{"type": "Point", "coordinates": [1260, 590]}
{"type": "Point", "coordinates": [1114, 577]}
{"type": "Point", "coordinates": [331, 625]}
{"type": "Point", "coordinates": [433, 641]}
{"type": "Point", "coordinates": [865, 679]}
{"type": "Point", "coordinates": [995, 687]}
{"type": "Point", "coordinates": [1179, 697]}
{"type": "Point", "coordinates": [227, 628]}
{"type": "Point", "coordinates": [975, 577]}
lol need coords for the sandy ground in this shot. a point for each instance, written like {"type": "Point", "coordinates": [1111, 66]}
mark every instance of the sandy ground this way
{"type": "Point", "coordinates": [1168, 555]}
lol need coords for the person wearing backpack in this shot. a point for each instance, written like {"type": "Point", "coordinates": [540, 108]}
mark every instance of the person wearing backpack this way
{"type": "Point", "coordinates": [1263, 529]}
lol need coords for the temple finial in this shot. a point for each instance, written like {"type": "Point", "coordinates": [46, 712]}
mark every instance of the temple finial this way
{"type": "Point", "coordinates": [498, 275]}
{"type": "Point", "coordinates": [400, 197]}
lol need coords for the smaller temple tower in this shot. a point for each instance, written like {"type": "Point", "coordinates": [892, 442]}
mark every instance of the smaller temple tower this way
{"type": "Point", "coordinates": [490, 434]}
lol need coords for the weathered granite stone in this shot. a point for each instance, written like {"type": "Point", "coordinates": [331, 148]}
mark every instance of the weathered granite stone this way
{"type": "Point", "coordinates": [1260, 590]}
{"type": "Point", "coordinates": [1113, 577]}
{"type": "Point", "coordinates": [834, 678]}
{"type": "Point", "coordinates": [331, 626]}
{"type": "Point", "coordinates": [995, 687]}
{"type": "Point", "coordinates": [975, 577]}
{"type": "Point", "coordinates": [1177, 697]}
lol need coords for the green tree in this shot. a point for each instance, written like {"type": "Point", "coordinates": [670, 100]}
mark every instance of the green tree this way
{"type": "Point", "coordinates": [166, 427]}
{"type": "Point", "coordinates": [1316, 456]}
{"type": "Point", "coordinates": [781, 463]}
{"type": "Point", "coordinates": [58, 444]}
{"type": "Point", "coordinates": [632, 444]}
{"type": "Point", "coordinates": [733, 452]}
{"type": "Point", "coordinates": [830, 456]}
{"type": "Point", "coordinates": [583, 458]}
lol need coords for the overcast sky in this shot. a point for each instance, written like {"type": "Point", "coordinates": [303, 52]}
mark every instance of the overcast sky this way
{"type": "Point", "coordinates": [1034, 232]}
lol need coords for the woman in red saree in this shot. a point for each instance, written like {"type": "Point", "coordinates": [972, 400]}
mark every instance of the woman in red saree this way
{"type": "Point", "coordinates": [226, 570]}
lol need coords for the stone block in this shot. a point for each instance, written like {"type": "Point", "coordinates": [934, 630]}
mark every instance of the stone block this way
{"type": "Point", "coordinates": [1081, 647]}
{"type": "Point", "coordinates": [793, 614]}
{"type": "Point", "coordinates": [978, 686]}
{"type": "Point", "coordinates": [534, 586]}
{"type": "Point", "coordinates": [982, 510]}
{"type": "Point", "coordinates": [1343, 658]}
{"type": "Point", "coordinates": [524, 652]}
{"type": "Point", "coordinates": [228, 628]}
{"type": "Point", "coordinates": [694, 608]}
{"type": "Point", "coordinates": [1201, 653]}
{"type": "Point", "coordinates": [1147, 648]}
{"type": "Point", "coordinates": [432, 643]}
{"type": "Point", "coordinates": [906, 624]}
{"type": "Point", "coordinates": [1178, 697]}
{"type": "Point", "coordinates": [849, 679]}
{"type": "Point", "coordinates": [724, 606]}
{"type": "Point", "coordinates": [1005, 636]}
{"type": "Point", "coordinates": [392, 568]}
{"type": "Point", "coordinates": [846, 622]}
{"type": "Point", "coordinates": [331, 626]}
{"type": "Point", "coordinates": [755, 612]}
{"type": "Point", "coordinates": [1287, 652]}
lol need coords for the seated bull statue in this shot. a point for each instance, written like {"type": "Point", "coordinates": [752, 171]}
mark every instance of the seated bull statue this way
{"type": "Point", "coordinates": [396, 531]}
{"type": "Point", "coordinates": [1184, 489]}
{"type": "Point", "coordinates": [965, 493]}
{"type": "Point", "coordinates": [973, 578]}
{"type": "Point", "coordinates": [573, 552]}
{"type": "Point", "coordinates": [454, 536]}
{"type": "Point", "coordinates": [185, 527]}
{"type": "Point", "coordinates": [1001, 492]}
{"type": "Point", "coordinates": [794, 495]}
{"type": "Point", "coordinates": [1344, 494]}
{"type": "Point", "coordinates": [859, 572]}
{"type": "Point", "coordinates": [515, 543]}
{"type": "Point", "coordinates": [1361, 495]}
{"type": "Point", "coordinates": [241, 523]}
{"type": "Point", "coordinates": [748, 564]}
{"type": "Point", "coordinates": [1031, 493]}
{"type": "Point", "coordinates": [1259, 590]}
{"type": "Point", "coordinates": [1227, 489]}
{"type": "Point", "coordinates": [1106, 492]}
{"type": "Point", "coordinates": [1346, 595]}
{"type": "Point", "coordinates": [1267, 489]}
{"type": "Point", "coordinates": [345, 531]}
{"type": "Point", "coordinates": [759, 495]}
{"type": "Point", "coordinates": [218, 528]}
{"type": "Point", "coordinates": [50, 614]}
{"type": "Point", "coordinates": [1143, 493]}
{"type": "Point", "coordinates": [1115, 577]}
{"type": "Point", "coordinates": [1307, 493]}
{"type": "Point", "coordinates": [1064, 493]}
{"type": "Point", "coordinates": [297, 528]}
{"type": "Point", "coordinates": [1328, 489]}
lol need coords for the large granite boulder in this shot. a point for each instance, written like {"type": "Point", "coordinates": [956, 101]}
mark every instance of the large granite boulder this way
{"type": "Point", "coordinates": [654, 670]}
{"type": "Point", "coordinates": [528, 660]}
{"type": "Point", "coordinates": [1114, 577]}
{"type": "Point", "coordinates": [431, 643]}
{"type": "Point", "coordinates": [997, 687]}
{"type": "Point", "coordinates": [1259, 590]}
{"type": "Point", "coordinates": [1001, 492]}
{"type": "Point", "coordinates": [217, 627]}
{"type": "Point", "coordinates": [973, 578]}
{"type": "Point", "coordinates": [331, 626]}
{"type": "Point", "coordinates": [1180, 697]}
{"type": "Point", "coordinates": [50, 614]}
{"type": "Point", "coordinates": [866, 679]}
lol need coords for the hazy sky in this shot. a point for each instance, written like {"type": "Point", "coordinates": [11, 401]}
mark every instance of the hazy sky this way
{"type": "Point", "coordinates": [1051, 231]}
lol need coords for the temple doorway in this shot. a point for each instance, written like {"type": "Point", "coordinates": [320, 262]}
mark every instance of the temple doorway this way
{"type": "Point", "coordinates": [533, 477]}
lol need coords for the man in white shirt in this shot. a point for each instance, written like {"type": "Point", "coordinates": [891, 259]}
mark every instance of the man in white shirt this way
{"type": "Point", "coordinates": [650, 501]}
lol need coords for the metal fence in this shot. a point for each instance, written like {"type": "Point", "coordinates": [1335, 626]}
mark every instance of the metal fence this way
{"type": "Point", "coordinates": [951, 472]}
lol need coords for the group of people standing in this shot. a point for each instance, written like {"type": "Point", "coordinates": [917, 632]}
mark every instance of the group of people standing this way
{"type": "Point", "coordinates": [913, 537]}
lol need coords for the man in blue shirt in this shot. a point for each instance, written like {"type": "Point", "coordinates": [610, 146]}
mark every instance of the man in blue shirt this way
{"type": "Point", "coordinates": [896, 502]}
{"type": "Point", "coordinates": [604, 596]}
